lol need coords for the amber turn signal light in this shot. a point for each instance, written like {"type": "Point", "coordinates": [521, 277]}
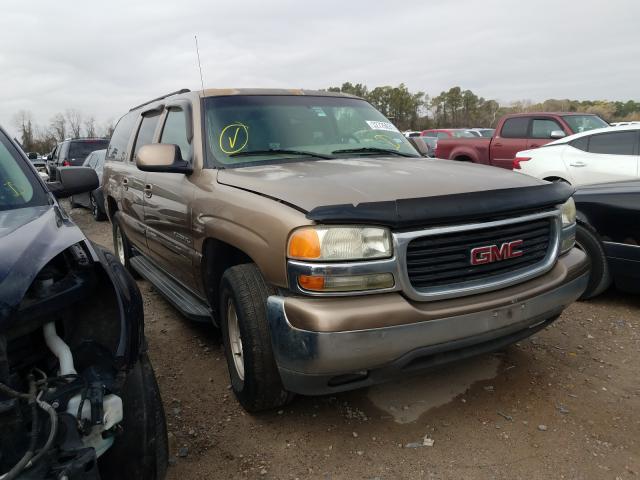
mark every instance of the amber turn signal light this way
{"type": "Point", "coordinates": [304, 243]}
{"type": "Point", "coordinates": [311, 282]}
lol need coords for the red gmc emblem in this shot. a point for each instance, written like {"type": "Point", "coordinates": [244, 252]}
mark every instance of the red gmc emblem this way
{"type": "Point", "coordinates": [493, 253]}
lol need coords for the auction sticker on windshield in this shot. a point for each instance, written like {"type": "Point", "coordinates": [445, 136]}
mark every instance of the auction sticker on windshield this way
{"type": "Point", "coordinates": [374, 125]}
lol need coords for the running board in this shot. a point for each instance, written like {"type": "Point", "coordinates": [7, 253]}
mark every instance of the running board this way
{"type": "Point", "coordinates": [189, 305]}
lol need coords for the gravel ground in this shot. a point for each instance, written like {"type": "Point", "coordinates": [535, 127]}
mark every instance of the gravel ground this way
{"type": "Point", "coordinates": [562, 404]}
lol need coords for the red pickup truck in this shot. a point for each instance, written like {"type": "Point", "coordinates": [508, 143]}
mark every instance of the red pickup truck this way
{"type": "Point", "coordinates": [516, 132]}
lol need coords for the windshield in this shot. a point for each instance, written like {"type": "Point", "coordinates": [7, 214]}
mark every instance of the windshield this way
{"type": "Point", "coordinates": [80, 150]}
{"type": "Point", "coordinates": [582, 123]}
{"type": "Point", "coordinates": [18, 186]}
{"type": "Point", "coordinates": [279, 128]}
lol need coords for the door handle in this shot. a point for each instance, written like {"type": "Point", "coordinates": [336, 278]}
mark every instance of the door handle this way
{"type": "Point", "coordinates": [497, 144]}
{"type": "Point", "coordinates": [578, 164]}
{"type": "Point", "coordinates": [125, 183]}
{"type": "Point", "coordinates": [148, 190]}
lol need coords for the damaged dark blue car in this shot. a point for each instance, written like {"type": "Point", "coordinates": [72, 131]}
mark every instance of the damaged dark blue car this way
{"type": "Point", "coordinates": [78, 395]}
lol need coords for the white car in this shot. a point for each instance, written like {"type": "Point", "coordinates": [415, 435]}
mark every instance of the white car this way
{"type": "Point", "coordinates": [596, 156]}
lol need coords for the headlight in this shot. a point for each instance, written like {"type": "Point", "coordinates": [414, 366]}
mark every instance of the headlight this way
{"type": "Point", "coordinates": [568, 210]}
{"type": "Point", "coordinates": [568, 236]}
{"type": "Point", "coordinates": [334, 243]}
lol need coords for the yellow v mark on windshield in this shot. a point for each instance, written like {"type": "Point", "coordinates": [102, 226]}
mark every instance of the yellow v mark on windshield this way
{"type": "Point", "coordinates": [232, 143]}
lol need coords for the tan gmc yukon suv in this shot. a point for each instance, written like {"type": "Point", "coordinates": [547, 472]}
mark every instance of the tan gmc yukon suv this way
{"type": "Point", "coordinates": [331, 255]}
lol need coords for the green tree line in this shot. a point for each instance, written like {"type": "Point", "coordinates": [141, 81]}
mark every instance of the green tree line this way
{"type": "Point", "coordinates": [456, 107]}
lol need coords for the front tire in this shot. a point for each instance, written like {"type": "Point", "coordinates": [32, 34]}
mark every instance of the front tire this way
{"type": "Point", "coordinates": [599, 277]}
{"type": "Point", "coordinates": [247, 340]}
{"type": "Point", "coordinates": [141, 452]}
{"type": "Point", "coordinates": [121, 246]}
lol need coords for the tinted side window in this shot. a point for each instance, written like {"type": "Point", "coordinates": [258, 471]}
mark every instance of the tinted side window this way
{"type": "Point", "coordinates": [117, 150]}
{"type": "Point", "coordinates": [145, 134]}
{"type": "Point", "coordinates": [515, 128]}
{"type": "Point", "coordinates": [618, 143]}
{"type": "Point", "coordinates": [542, 128]}
{"type": "Point", "coordinates": [442, 135]}
{"type": "Point", "coordinates": [175, 132]}
{"type": "Point", "coordinates": [581, 143]}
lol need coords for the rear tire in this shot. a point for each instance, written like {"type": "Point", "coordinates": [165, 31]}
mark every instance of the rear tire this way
{"type": "Point", "coordinates": [122, 247]}
{"type": "Point", "coordinates": [141, 452]}
{"type": "Point", "coordinates": [98, 214]}
{"type": "Point", "coordinates": [599, 276]}
{"type": "Point", "coordinates": [247, 340]}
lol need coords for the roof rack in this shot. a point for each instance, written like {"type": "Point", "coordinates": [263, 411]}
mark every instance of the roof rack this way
{"type": "Point", "coordinates": [177, 92]}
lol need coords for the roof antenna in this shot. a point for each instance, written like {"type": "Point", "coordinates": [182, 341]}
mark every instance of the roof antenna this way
{"type": "Point", "coordinates": [199, 64]}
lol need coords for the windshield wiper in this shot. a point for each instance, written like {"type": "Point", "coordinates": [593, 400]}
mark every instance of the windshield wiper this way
{"type": "Point", "coordinates": [374, 150]}
{"type": "Point", "coordinates": [280, 151]}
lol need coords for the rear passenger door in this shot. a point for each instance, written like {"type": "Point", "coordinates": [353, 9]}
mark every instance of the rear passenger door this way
{"type": "Point", "coordinates": [167, 207]}
{"type": "Point", "coordinates": [603, 157]}
{"type": "Point", "coordinates": [511, 139]}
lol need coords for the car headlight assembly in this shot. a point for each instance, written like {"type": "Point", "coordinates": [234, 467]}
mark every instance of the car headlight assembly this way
{"type": "Point", "coordinates": [333, 244]}
{"type": "Point", "coordinates": [568, 210]}
{"type": "Point", "coordinates": [568, 237]}
{"type": "Point", "coordinates": [337, 243]}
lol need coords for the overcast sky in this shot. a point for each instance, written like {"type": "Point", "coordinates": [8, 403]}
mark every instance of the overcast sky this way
{"type": "Point", "coordinates": [103, 58]}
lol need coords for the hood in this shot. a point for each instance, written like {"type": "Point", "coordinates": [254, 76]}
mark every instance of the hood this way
{"type": "Point", "coordinates": [29, 239]}
{"type": "Point", "coordinates": [627, 186]}
{"type": "Point", "coordinates": [311, 184]}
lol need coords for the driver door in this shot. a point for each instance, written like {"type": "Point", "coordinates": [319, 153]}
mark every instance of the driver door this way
{"type": "Point", "coordinates": [167, 204]}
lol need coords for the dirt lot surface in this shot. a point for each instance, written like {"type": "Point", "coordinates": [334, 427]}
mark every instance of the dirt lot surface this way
{"type": "Point", "coordinates": [563, 404]}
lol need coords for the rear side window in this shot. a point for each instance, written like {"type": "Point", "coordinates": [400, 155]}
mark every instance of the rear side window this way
{"type": "Point", "coordinates": [515, 128]}
{"type": "Point", "coordinates": [542, 128]}
{"type": "Point", "coordinates": [617, 143]}
{"type": "Point", "coordinates": [145, 134]}
{"type": "Point", "coordinates": [117, 150]}
{"type": "Point", "coordinates": [581, 143]}
{"type": "Point", "coordinates": [175, 132]}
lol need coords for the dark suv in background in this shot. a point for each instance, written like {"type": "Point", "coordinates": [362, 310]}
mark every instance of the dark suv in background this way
{"type": "Point", "coordinates": [72, 152]}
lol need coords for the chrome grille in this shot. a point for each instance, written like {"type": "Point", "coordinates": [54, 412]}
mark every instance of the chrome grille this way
{"type": "Point", "coordinates": [445, 259]}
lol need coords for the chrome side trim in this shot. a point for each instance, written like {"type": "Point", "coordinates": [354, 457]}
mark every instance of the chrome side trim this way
{"type": "Point", "coordinates": [402, 240]}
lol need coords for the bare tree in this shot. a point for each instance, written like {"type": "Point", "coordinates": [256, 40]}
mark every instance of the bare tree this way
{"type": "Point", "coordinates": [90, 127]}
{"type": "Point", "coordinates": [59, 127]}
{"type": "Point", "coordinates": [23, 121]}
{"type": "Point", "coordinates": [74, 117]}
{"type": "Point", "coordinates": [108, 128]}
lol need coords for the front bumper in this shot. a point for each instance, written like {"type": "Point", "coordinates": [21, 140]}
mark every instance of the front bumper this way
{"type": "Point", "coordinates": [313, 362]}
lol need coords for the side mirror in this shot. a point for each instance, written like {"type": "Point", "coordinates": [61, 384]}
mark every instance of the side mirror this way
{"type": "Point", "coordinates": [162, 157]}
{"type": "Point", "coordinates": [555, 134]}
{"type": "Point", "coordinates": [73, 180]}
{"type": "Point", "coordinates": [49, 157]}
{"type": "Point", "coordinates": [419, 145]}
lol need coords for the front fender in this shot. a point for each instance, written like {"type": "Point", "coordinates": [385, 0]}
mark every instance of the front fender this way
{"type": "Point", "coordinates": [131, 343]}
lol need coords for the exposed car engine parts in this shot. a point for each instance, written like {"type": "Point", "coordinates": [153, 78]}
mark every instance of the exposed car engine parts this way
{"type": "Point", "coordinates": [66, 412]}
